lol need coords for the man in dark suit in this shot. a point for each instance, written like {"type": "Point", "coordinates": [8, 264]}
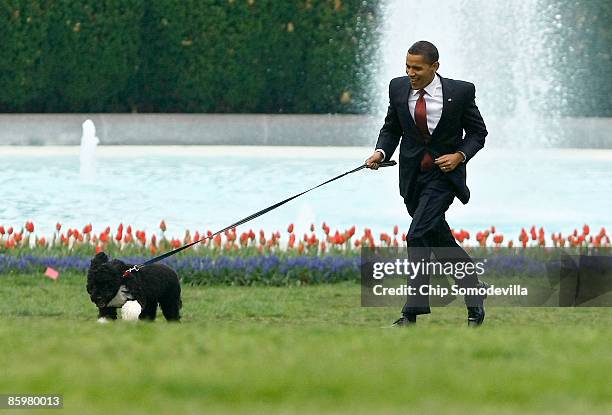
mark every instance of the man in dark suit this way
{"type": "Point", "coordinates": [430, 114]}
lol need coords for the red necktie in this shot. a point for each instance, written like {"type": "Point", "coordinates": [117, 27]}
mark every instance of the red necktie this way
{"type": "Point", "coordinates": [420, 118]}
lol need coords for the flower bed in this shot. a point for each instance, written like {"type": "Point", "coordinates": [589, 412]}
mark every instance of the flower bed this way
{"type": "Point", "coordinates": [126, 241]}
{"type": "Point", "coordinates": [250, 258]}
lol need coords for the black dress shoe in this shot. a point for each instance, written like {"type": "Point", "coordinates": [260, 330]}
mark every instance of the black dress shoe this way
{"type": "Point", "coordinates": [405, 321]}
{"type": "Point", "coordinates": [476, 316]}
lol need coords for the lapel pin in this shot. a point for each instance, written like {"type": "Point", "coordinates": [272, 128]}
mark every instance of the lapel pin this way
{"type": "Point", "coordinates": [450, 99]}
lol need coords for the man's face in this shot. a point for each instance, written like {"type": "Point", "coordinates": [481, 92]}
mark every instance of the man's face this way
{"type": "Point", "coordinates": [419, 71]}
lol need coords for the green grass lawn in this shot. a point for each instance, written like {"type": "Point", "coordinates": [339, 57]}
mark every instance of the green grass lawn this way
{"type": "Point", "coordinates": [299, 350]}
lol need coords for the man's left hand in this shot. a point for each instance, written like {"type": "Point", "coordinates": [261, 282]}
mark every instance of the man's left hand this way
{"type": "Point", "coordinates": [449, 162]}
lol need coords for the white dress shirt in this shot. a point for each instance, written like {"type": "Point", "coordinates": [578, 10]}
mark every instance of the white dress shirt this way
{"type": "Point", "coordinates": [434, 102]}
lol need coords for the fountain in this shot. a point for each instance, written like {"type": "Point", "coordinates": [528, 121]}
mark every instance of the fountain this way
{"type": "Point", "coordinates": [87, 155]}
{"type": "Point", "coordinates": [499, 46]}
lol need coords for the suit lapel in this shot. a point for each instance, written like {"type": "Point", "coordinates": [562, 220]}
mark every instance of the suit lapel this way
{"type": "Point", "coordinates": [411, 122]}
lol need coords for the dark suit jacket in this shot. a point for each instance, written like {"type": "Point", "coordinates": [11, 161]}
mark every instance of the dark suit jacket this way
{"type": "Point", "coordinates": [459, 113]}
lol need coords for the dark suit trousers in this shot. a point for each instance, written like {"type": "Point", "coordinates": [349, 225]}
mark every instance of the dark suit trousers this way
{"type": "Point", "coordinates": [429, 233]}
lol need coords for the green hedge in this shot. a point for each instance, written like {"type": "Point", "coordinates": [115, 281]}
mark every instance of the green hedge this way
{"type": "Point", "coordinates": [24, 77]}
{"type": "Point", "coordinates": [187, 55]}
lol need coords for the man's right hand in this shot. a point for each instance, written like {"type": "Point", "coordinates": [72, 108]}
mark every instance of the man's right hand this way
{"type": "Point", "coordinates": [374, 160]}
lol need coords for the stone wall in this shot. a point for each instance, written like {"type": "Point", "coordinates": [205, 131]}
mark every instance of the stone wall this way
{"type": "Point", "coordinates": [260, 129]}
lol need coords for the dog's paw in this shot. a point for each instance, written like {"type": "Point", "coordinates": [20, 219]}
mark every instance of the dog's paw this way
{"type": "Point", "coordinates": [104, 320]}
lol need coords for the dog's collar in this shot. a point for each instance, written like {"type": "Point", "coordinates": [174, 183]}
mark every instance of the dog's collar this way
{"type": "Point", "coordinates": [129, 271]}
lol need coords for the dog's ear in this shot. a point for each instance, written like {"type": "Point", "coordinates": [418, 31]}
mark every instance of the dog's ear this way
{"type": "Point", "coordinates": [99, 259]}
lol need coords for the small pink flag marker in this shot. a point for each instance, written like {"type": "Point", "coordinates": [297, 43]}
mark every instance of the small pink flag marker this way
{"type": "Point", "coordinates": [51, 273]}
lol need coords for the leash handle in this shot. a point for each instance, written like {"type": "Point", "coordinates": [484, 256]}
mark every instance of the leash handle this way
{"type": "Point", "coordinates": [387, 163]}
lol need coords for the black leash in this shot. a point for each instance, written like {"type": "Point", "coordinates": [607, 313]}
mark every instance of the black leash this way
{"type": "Point", "coordinates": [136, 268]}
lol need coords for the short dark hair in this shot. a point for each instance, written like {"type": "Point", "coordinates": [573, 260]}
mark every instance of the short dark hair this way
{"type": "Point", "coordinates": [426, 49]}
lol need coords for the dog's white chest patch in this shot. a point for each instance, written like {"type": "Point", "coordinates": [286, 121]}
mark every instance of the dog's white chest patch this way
{"type": "Point", "coordinates": [120, 298]}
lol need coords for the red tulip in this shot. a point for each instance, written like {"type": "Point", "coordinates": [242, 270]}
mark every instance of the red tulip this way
{"type": "Point", "coordinates": [395, 230]}
{"type": "Point", "coordinates": [244, 238]}
{"type": "Point", "coordinates": [2, 230]}
{"type": "Point", "coordinates": [290, 228]}
{"type": "Point", "coordinates": [312, 227]}
{"type": "Point", "coordinates": [458, 236]}
{"type": "Point", "coordinates": [232, 235]}
{"type": "Point", "coordinates": [351, 231]}
{"type": "Point", "coordinates": [326, 228]}
{"type": "Point", "coordinates": [29, 227]}
{"type": "Point", "coordinates": [371, 241]}
{"type": "Point", "coordinates": [586, 229]}
{"type": "Point", "coordinates": [314, 240]}
{"type": "Point", "coordinates": [162, 225]}
{"type": "Point", "coordinates": [9, 230]}
{"type": "Point", "coordinates": [87, 229]}
{"type": "Point", "coordinates": [498, 239]}
{"type": "Point", "coordinates": [58, 226]}
{"type": "Point", "coordinates": [291, 240]}
{"type": "Point", "coordinates": [341, 239]}
{"type": "Point", "coordinates": [523, 237]}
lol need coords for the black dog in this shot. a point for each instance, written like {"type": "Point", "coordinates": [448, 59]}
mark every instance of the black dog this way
{"type": "Point", "coordinates": [151, 285]}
